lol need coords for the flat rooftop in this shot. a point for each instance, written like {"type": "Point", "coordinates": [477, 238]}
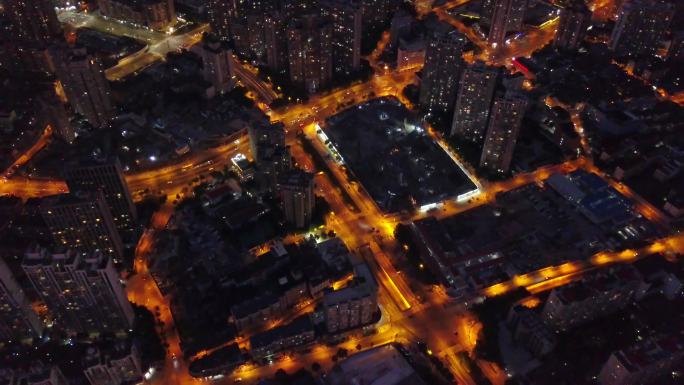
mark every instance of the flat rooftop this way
{"type": "Point", "coordinates": [383, 365]}
{"type": "Point", "coordinates": [385, 145]}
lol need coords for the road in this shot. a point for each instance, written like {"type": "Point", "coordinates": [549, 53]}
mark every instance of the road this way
{"type": "Point", "coordinates": [408, 314]}
{"type": "Point", "coordinates": [24, 158]}
{"type": "Point", "coordinates": [533, 39]}
{"type": "Point", "coordinates": [158, 44]}
{"type": "Point", "coordinates": [248, 76]}
{"type": "Point", "coordinates": [168, 179]}
{"type": "Point", "coordinates": [554, 276]}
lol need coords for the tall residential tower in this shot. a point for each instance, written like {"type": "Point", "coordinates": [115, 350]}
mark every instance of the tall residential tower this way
{"type": "Point", "coordinates": [442, 70]}
{"type": "Point", "coordinates": [474, 101]}
{"type": "Point", "coordinates": [640, 27]}
{"type": "Point", "coordinates": [502, 132]}
{"type": "Point", "coordinates": [82, 292]}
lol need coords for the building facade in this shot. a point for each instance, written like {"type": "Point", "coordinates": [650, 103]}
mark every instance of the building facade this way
{"type": "Point", "coordinates": [574, 20]}
{"type": "Point", "coordinates": [296, 188]}
{"type": "Point", "coordinates": [507, 15]}
{"type": "Point", "coordinates": [595, 296]}
{"type": "Point", "coordinates": [82, 292]}
{"type": "Point", "coordinates": [442, 71]}
{"type": "Point", "coordinates": [346, 34]}
{"type": "Point", "coordinates": [528, 330]}
{"type": "Point", "coordinates": [107, 177]}
{"type": "Point", "coordinates": [220, 13]}
{"type": "Point", "coordinates": [217, 65]}
{"type": "Point", "coordinates": [85, 85]}
{"type": "Point", "coordinates": [265, 134]}
{"type": "Point", "coordinates": [53, 113]}
{"type": "Point", "coordinates": [153, 14]}
{"type": "Point", "coordinates": [310, 52]}
{"type": "Point", "coordinates": [32, 21]}
{"type": "Point", "coordinates": [353, 306]}
{"type": "Point", "coordinates": [18, 321]}
{"type": "Point", "coordinates": [640, 27]}
{"type": "Point", "coordinates": [83, 223]}
{"type": "Point", "coordinates": [119, 364]}
{"type": "Point", "coordinates": [474, 101]}
{"type": "Point", "coordinates": [275, 41]}
{"type": "Point", "coordinates": [269, 343]}
{"type": "Point", "coordinates": [505, 120]}
{"type": "Point", "coordinates": [644, 362]}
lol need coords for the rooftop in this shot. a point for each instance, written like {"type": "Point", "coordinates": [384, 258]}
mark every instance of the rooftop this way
{"type": "Point", "coordinates": [300, 325]}
{"type": "Point", "coordinates": [383, 365]}
{"type": "Point", "coordinates": [397, 162]}
{"type": "Point", "coordinates": [650, 352]}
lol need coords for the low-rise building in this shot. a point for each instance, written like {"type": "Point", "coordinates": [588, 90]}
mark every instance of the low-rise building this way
{"type": "Point", "coordinates": [114, 365]}
{"type": "Point", "coordinates": [256, 311]}
{"type": "Point", "coordinates": [220, 362]}
{"type": "Point", "coordinates": [297, 333]}
{"type": "Point", "coordinates": [46, 376]}
{"type": "Point", "coordinates": [411, 53]}
{"type": "Point", "coordinates": [529, 330]}
{"type": "Point", "coordinates": [382, 365]}
{"type": "Point", "coordinates": [643, 362]}
{"type": "Point", "coordinates": [596, 295]}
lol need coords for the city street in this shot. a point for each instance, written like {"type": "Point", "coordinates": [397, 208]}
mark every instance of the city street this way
{"type": "Point", "coordinates": [158, 44]}
{"type": "Point", "coordinates": [408, 315]}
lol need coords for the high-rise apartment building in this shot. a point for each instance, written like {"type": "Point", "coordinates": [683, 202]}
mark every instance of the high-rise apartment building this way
{"type": "Point", "coordinates": [640, 27]}
{"type": "Point", "coordinates": [310, 52]}
{"type": "Point", "coordinates": [345, 17]}
{"type": "Point", "coordinates": [507, 15]}
{"type": "Point", "coordinates": [296, 188]}
{"type": "Point", "coordinates": [217, 64]}
{"type": "Point", "coordinates": [293, 8]}
{"type": "Point", "coordinates": [574, 20]}
{"type": "Point", "coordinates": [272, 156]}
{"type": "Point", "coordinates": [505, 120]}
{"type": "Point", "coordinates": [18, 321]}
{"type": "Point", "coordinates": [376, 12]}
{"type": "Point", "coordinates": [32, 26]}
{"type": "Point", "coordinates": [82, 222]}
{"type": "Point", "coordinates": [275, 41]}
{"type": "Point", "coordinates": [85, 85]}
{"type": "Point", "coordinates": [262, 133]}
{"type": "Point", "coordinates": [154, 14]}
{"type": "Point", "coordinates": [675, 53]}
{"type": "Point", "coordinates": [82, 292]}
{"type": "Point", "coordinates": [32, 21]}
{"type": "Point", "coordinates": [516, 15]}
{"type": "Point", "coordinates": [220, 14]}
{"type": "Point", "coordinates": [243, 22]}
{"type": "Point", "coordinates": [474, 101]}
{"type": "Point", "coordinates": [107, 177]}
{"type": "Point", "coordinates": [442, 70]}
{"type": "Point", "coordinates": [52, 111]}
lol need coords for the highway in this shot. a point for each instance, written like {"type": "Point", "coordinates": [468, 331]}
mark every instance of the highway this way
{"type": "Point", "coordinates": [248, 76]}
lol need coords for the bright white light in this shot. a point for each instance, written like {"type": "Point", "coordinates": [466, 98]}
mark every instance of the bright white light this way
{"type": "Point", "coordinates": [153, 158]}
{"type": "Point", "coordinates": [238, 157]}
